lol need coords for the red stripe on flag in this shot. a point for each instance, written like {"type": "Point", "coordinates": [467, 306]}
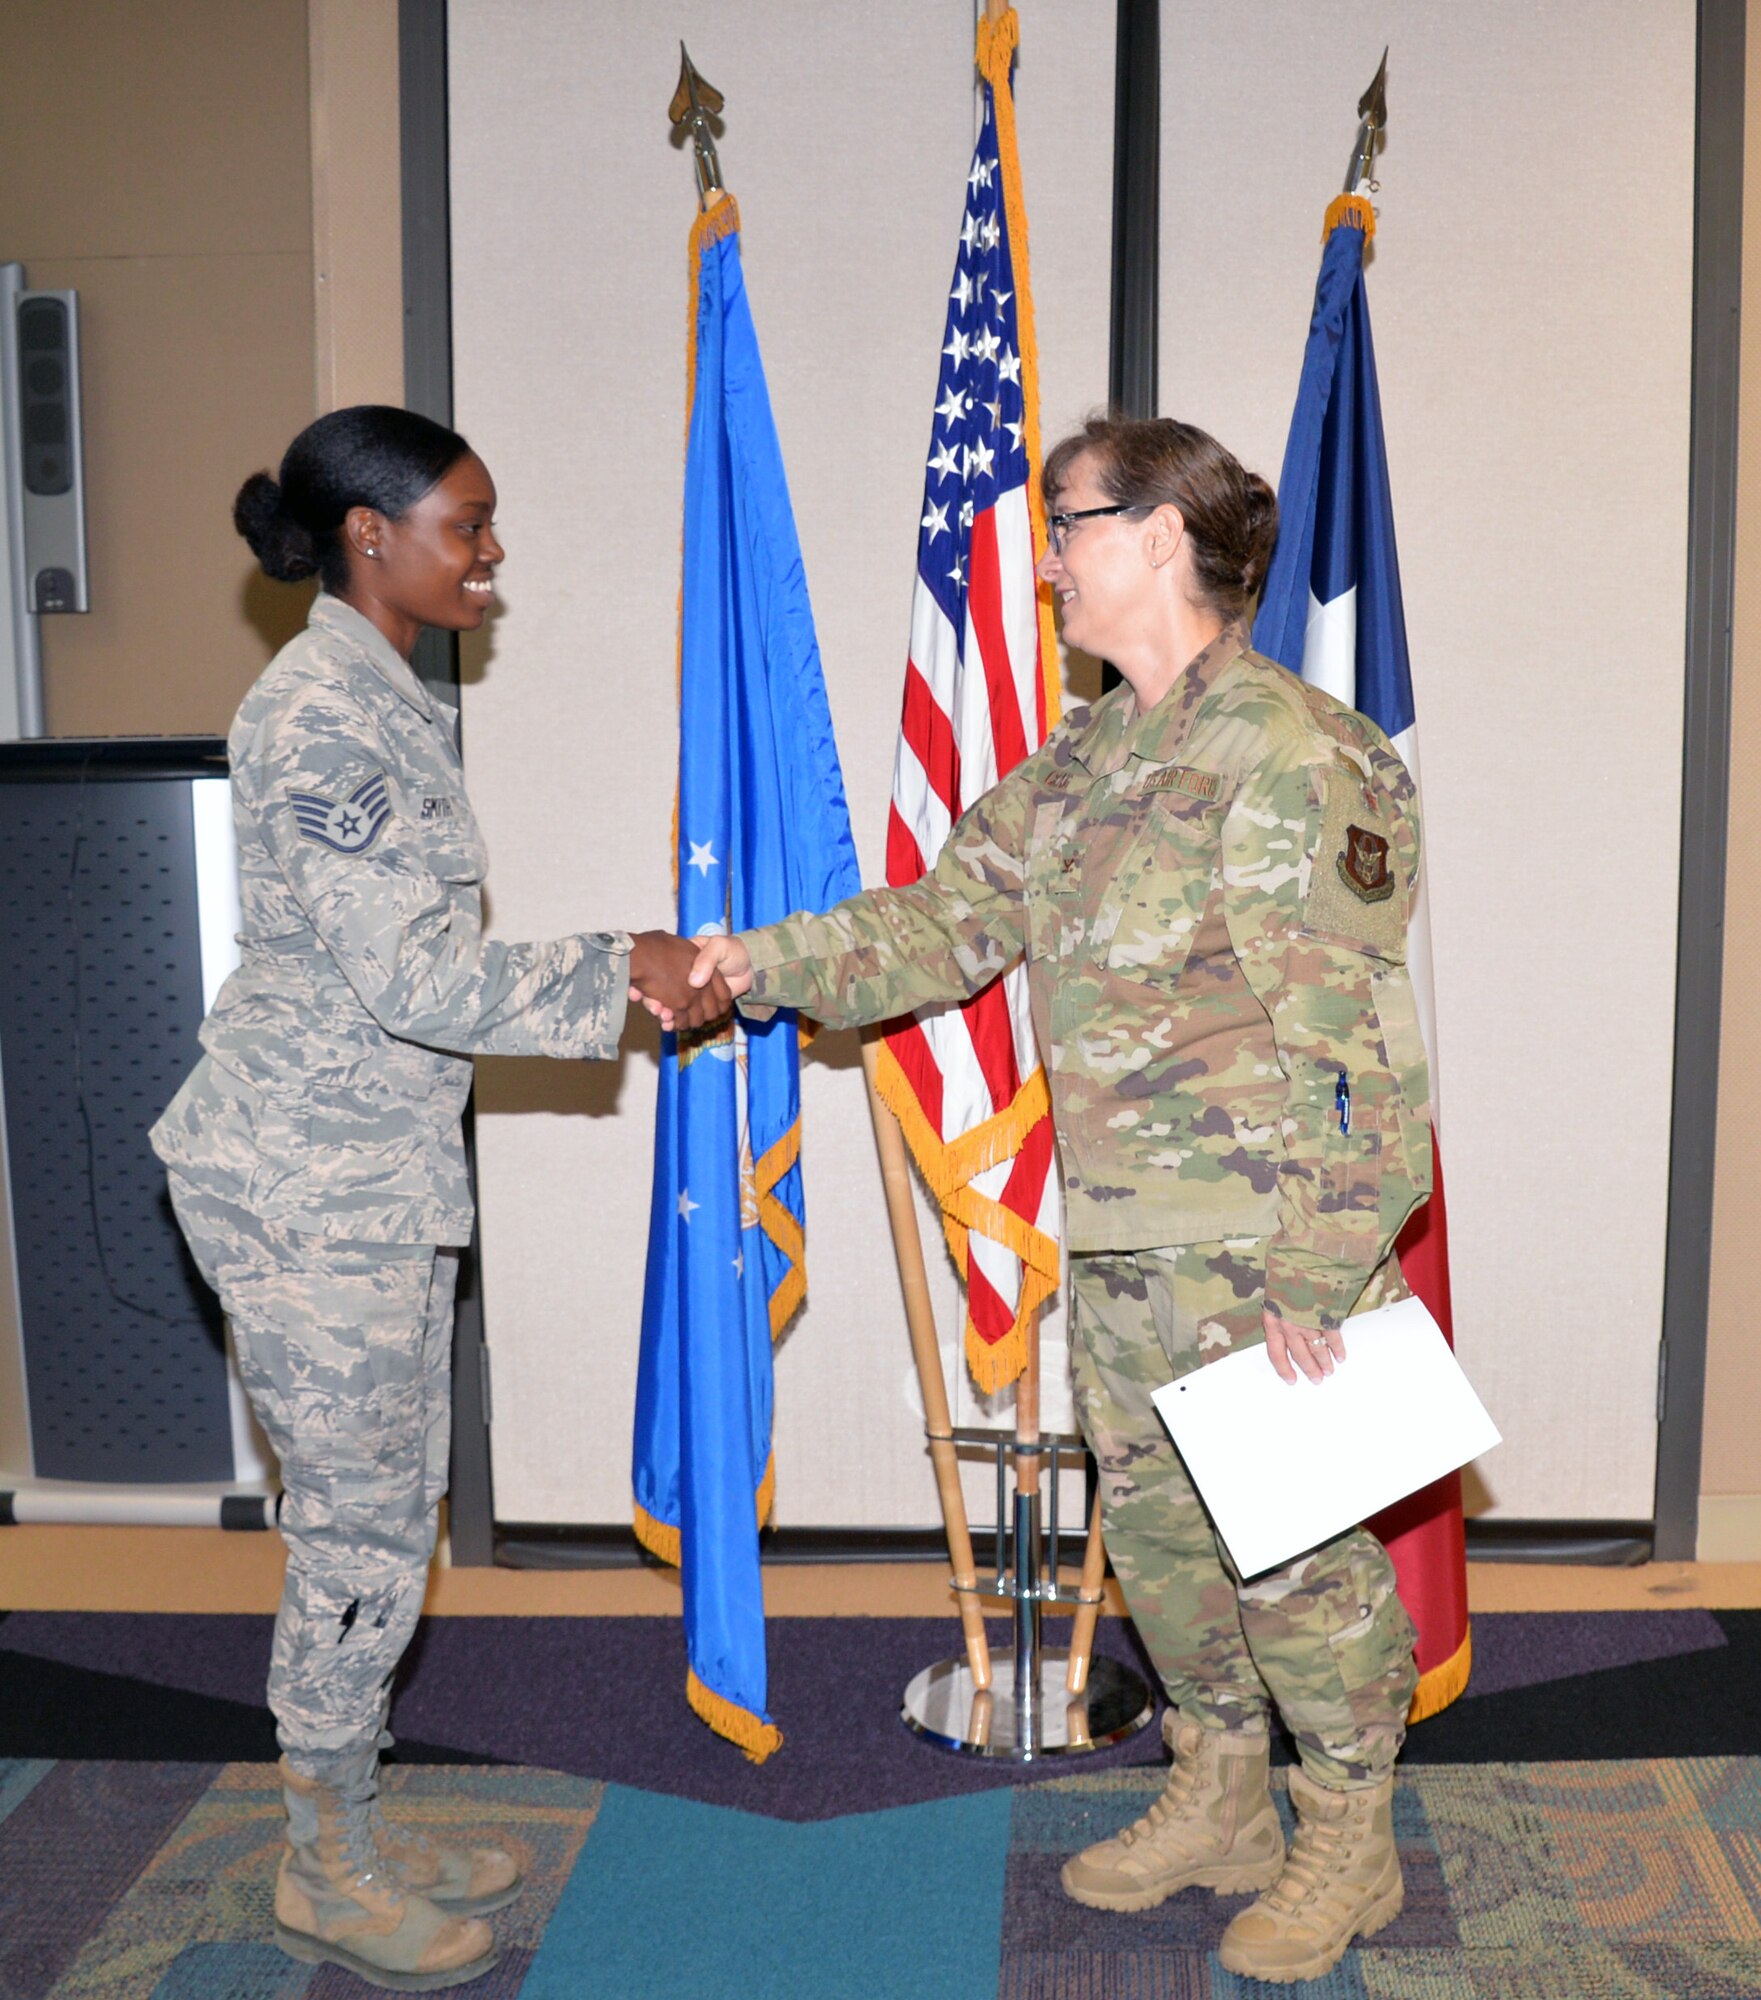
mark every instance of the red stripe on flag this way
{"type": "Point", "coordinates": [904, 856]}
{"type": "Point", "coordinates": [993, 1042]}
{"type": "Point", "coordinates": [993, 1318]}
{"type": "Point", "coordinates": [926, 728]}
{"type": "Point", "coordinates": [912, 1051]}
{"type": "Point", "coordinates": [984, 606]}
{"type": "Point", "coordinates": [1027, 1178]}
{"type": "Point", "coordinates": [1423, 1533]}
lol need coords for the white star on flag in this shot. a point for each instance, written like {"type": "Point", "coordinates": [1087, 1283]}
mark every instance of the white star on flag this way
{"type": "Point", "coordinates": [686, 1204]}
{"type": "Point", "coordinates": [945, 461]}
{"type": "Point", "coordinates": [1009, 368]}
{"type": "Point", "coordinates": [936, 521]}
{"type": "Point", "coordinates": [703, 857]}
{"type": "Point", "coordinates": [958, 347]}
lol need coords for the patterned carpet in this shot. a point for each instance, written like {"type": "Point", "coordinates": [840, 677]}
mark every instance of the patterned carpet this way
{"type": "Point", "coordinates": [1524, 1882]}
{"type": "Point", "coordinates": [1579, 1875]}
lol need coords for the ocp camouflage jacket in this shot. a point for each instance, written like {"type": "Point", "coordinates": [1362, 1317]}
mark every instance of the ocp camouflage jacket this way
{"type": "Point", "coordinates": [1213, 901]}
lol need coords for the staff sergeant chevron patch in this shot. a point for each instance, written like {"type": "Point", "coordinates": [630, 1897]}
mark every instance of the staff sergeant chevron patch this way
{"type": "Point", "coordinates": [351, 827]}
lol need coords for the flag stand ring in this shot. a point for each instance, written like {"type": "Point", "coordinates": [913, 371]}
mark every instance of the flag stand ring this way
{"type": "Point", "coordinates": [1028, 1711]}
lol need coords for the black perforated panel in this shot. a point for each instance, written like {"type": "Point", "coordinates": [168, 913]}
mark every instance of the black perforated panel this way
{"type": "Point", "coordinates": [100, 999]}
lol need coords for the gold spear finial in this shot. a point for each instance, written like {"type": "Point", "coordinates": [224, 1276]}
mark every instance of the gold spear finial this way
{"type": "Point", "coordinates": [694, 103]}
{"type": "Point", "coordinates": [1372, 111]}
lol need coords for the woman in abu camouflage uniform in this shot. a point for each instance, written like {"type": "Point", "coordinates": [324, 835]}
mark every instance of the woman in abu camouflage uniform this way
{"type": "Point", "coordinates": [315, 1155]}
{"type": "Point", "coordinates": [1209, 873]}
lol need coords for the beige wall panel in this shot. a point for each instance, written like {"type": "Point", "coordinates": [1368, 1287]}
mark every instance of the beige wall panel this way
{"type": "Point", "coordinates": [195, 371]}
{"type": "Point", "coordinates": [1531, 295]}
{"type": "Point", "coordinates": [357, 203]}
{"type": "Point", "coordinates": [158, 159]}
{"type": "Point", "coordinates": [848, 155]}
{"type": "Point", "coordinates": [1730, 1469]}
{"type": "Point", "coordinates": [171, 129]}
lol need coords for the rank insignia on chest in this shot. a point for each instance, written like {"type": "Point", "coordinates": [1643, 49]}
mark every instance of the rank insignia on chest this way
{"type": "Point", "coordinates": [1181, 778]}
{"type": "Point", "coordinates": [1363, 867]}
{"type": "Point", "coordinates": [350, 827]}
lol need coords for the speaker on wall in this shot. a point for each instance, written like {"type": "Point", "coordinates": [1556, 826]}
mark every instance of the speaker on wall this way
{"type": "Point", "coordinates": [42, 486]}
{"type": "Point", "coordinates": [118, 910]}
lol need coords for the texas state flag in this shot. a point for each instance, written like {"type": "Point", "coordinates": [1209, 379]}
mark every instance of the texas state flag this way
{"type": "Point", "coordinates": [1332, 612]}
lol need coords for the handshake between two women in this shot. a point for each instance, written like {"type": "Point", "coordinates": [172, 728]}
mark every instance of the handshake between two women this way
{"type": "Point", "coordinates": [687, 983]}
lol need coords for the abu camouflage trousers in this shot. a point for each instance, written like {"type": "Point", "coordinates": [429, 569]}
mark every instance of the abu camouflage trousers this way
{"type": "Point", "coordinates": [345, 1352]}
{"type": "Point", "coordinates": [1325, 1640]}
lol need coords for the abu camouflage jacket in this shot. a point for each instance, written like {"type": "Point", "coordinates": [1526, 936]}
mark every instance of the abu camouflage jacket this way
{"type": "Point", "coordinates": [1212, 899]}
{"type": "Point", "coordinates": [338, 1052]}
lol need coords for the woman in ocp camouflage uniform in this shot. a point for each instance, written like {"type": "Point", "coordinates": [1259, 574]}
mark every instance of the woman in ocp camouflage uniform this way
{"type": "Point", "coordinates": [315, 1155]}
{"type": "Point", "coordinates": [1209, 873]}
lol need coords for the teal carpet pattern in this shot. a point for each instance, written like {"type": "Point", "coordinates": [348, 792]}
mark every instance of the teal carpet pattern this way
{"type": "Point", "coordinates": [1610, 1880]}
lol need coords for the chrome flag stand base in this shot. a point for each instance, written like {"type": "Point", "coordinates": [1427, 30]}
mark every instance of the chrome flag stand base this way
{"type": "Point", "coordinates": [1028, 1711]}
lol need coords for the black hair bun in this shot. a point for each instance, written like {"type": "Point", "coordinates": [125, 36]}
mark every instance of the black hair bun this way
{"type": "Point", "coordinates": [283, 548]}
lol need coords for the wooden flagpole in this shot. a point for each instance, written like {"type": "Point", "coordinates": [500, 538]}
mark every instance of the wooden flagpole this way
{"type": "Point", "coordinates": [889, 1142]}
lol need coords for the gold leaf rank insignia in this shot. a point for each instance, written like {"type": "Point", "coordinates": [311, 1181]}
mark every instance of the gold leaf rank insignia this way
{"type": "Point", "coordinates": [1363, 867]}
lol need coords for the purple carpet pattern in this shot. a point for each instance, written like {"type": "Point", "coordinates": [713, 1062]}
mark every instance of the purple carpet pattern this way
{"type": "Point", "coordinates": [603, 1697]}
{"type": "Point", "coordinates": [1585, 1824]}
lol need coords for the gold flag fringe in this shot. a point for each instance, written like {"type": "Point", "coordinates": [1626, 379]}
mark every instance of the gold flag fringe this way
{"type": "Point", "coordinates": [780, 1225]}
{"type": "Point", "coordinates": [710, 227]}
{"type": "Point", "coordinates": [1353, 209]}
{"type": "Point", "coordinates": [949, 1170]}
{"type": "Point", "coordinates": [997, 42]}
{"type": "Point", "coordinates": [727, 1718]}
{"type": "Point", "coordinates": [1437, 1689]}
{"type": "Point", "coordinates": [659, 1538]}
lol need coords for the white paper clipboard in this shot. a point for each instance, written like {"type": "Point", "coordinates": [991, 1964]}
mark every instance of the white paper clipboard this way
{"type": "Point", "coordinates": [1283, 1469]}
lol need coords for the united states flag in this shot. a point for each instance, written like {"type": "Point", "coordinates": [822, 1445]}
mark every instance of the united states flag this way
{"type": "Point", "coordinates": [980, 693]}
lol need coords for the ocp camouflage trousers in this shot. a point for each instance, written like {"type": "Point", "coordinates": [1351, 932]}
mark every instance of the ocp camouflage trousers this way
{"type": "Point", "coordinates": [345, 1352]}
{"type": "Point", "coordinates": [1326, 1640]}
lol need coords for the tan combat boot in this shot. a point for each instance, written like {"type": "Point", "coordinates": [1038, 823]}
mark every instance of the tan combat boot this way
{"type": "Point", "coordinates": [336, 1903]}
{"type": "Point", "coordinates": [469, 1882]}
{"type": "Point", "coordinates": [1342, 1881]}
{"type": "Point", "coordinates": [1214, 1825]}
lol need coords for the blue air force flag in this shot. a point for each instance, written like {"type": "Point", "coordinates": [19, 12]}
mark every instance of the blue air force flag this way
{"type": "Point", "coordinates": [763, 830]}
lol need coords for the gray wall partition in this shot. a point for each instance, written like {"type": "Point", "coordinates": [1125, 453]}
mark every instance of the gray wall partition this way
{"type": "Point", "coordinates": [1712, 520]}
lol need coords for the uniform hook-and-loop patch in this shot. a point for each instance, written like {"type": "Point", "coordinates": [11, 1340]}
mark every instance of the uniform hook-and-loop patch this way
{"type": "Point", "coordinates": [1357, 886]}
{"type": "Point", "coordinates": [1182, 778]}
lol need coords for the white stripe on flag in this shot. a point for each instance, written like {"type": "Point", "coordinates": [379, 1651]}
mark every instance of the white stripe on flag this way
{"type": "Point", "coordinates": [1329, 646]}
{"type": "Point", "coordinates": [1020, 605]}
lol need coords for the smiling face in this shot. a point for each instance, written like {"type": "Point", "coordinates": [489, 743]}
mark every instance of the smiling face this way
{"type": "Point", "coordinates": [434, 564]}
{"type": "Point", "coordinates": [1102, 577]}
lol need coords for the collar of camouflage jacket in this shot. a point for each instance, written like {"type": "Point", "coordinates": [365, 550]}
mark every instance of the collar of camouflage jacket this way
{"type": "Point", "coordinates": [333, 615]}
{"type": "Point", "coordinates": [1117, 731]}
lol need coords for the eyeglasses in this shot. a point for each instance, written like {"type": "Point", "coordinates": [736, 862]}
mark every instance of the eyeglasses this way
{"type": "Point", "coordinates": [1058, 526]}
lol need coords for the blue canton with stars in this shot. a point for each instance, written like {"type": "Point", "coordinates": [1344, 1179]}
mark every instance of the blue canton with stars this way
{"type": "Point", "coordinates": [978, 445]}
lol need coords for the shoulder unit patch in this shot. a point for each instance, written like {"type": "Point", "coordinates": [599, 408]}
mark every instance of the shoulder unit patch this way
{"type": "Point", "coordinates": [1363, 867]}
